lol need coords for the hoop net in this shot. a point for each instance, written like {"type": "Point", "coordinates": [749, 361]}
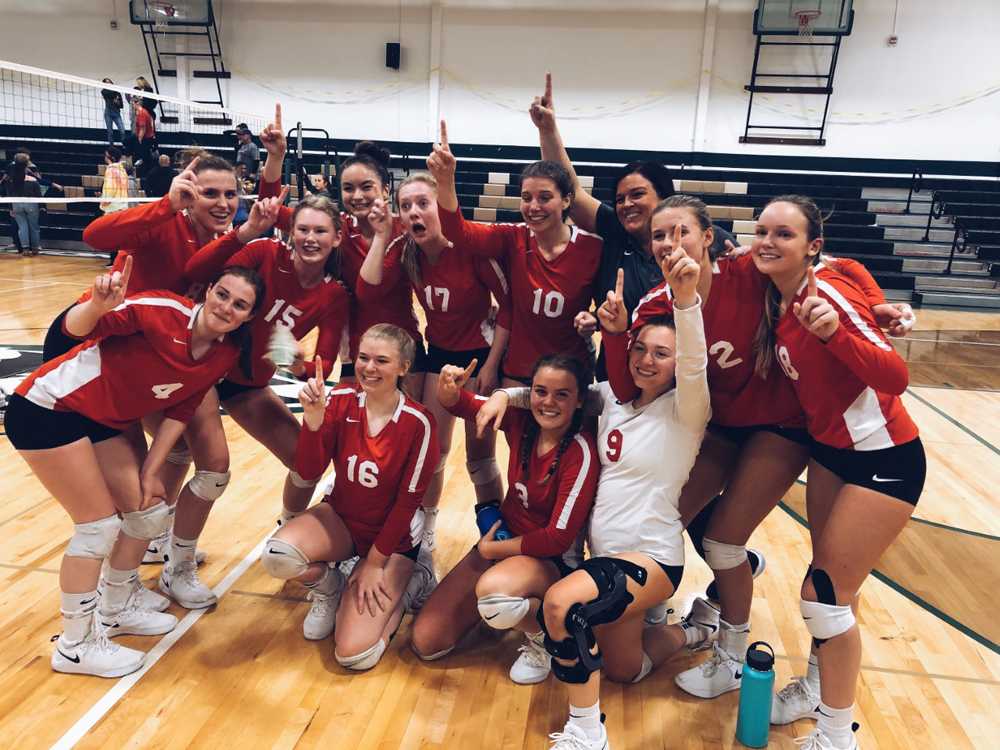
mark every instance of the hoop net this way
{"type": "Point", "coordinates": [805, 19]}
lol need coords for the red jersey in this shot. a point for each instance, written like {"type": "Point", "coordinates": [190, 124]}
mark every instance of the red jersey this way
{"type": "Point", "coordinates": [286, 302]}
{"type": "Point", "coordinates": [545, 294]}
{"type": "Point", "coordinates": [548, 515]}
{"type": "Point", "coordinates": [454, 292]}
{"type": "Point", "coordinates": [379, 480]}
{"type": "Point", "coordinates": [394, 306]}
{"type": "Point", "coordinates": [160, 240]}
{"type": "Point", "coordinates": [732, 315]}
{"type": "Point", "coordinates": [136, 361]}
{"type": "Point", "coordinates": [849, 386]}
{"type": "Point", "coordinates": [143, 122]}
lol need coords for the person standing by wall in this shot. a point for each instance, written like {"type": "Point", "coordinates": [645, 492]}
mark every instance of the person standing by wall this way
{"type": "Point", "coordinates": [113, 105]}
{"type": "Point", "coordinates": [22, 184]}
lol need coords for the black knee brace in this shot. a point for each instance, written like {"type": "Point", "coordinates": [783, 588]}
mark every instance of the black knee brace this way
{"type": "Point", "coordinates": [611, 601]}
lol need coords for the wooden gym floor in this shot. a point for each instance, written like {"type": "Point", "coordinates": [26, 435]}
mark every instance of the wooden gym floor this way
{"type": "Point", "coordinates": [241, 675]}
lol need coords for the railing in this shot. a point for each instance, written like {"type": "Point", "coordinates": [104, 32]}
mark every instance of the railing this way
{"type": "Point", "coordinates": [916, 185]}
{"type": "Point", "coordinates": [961, 236]}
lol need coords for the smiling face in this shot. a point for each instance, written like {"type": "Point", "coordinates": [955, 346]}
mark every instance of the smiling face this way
{"type": "Point", "coordinates": [418, 210]}
{"type": "Point", "coordinates": [542, 204]}
{"type": "Point", "coordinates": [651, 359]}
{"type": "Point", "coordinates": [635, 201]}
{"type": "Point", "coordinates": [379, 365]}
{"type": "Point", "coordinates": [781, 244]}
{"type": "Point", "coordinates": [694, 240]}
{"type": "Point", "coordinates": [314, 236]}
{"type": "Point", "coordinates": [229, 303]}
{"type": "Point", "coordinates": [359, 187]}
{"type": "Point", "coordinates": [217, 200]}
{"type": "Point", "coordinates": [554, 398]}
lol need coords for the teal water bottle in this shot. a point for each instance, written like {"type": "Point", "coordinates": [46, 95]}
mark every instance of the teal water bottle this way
{"type": "Point", "coordinates": [756, 691]}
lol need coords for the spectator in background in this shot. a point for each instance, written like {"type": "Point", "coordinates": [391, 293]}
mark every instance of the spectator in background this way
{"type": "Point", "coordinates": [145, 139]}
{"type": "Point", "coordinates": [247, 152]}
{"type": "Point", "coordinates": [114, 191]}
{"type": "Point", "coordinates": [148, 103]}
{"type": "Point", "coordinates": [320, 185]}
{"type": "Point", "coordinates": [157, 181]}
{"type": "Point", "coordinates": [113, 105]}
{"type": "Point", "coordinates": [22, 184]}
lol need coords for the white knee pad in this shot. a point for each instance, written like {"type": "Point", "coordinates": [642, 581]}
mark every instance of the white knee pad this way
{"type": "Point", "coordinates": [825, 621]}
{"type": "Point", "coordinates": [209, 485]}
{"type": "Point", "coordinates": [365, 660]}
{"type": "Point", "coordinates": [501, 611]}
{"type": "Point", "coordinates": [436, 655]}
{"type": "Point", "coordinates": [482, 470]}
{"type": "Point", "coordinates": [283, 560]}
{"type": "Point", "coordinates": [94, 539]}
{"type": "Point", "coordinates": [298, 481]}
{"type": "Point", "coordinates": [147, 524]}
{"type": "Point", "coordinates": [645, 669]}
{"type": "Point", "coordinates": [180, 457]}
{"type": "Point", "coordinates": [722, 556]}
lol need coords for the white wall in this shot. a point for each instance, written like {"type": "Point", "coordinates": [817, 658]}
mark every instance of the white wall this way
{"type": "Point", "coordinates": [627, 77]}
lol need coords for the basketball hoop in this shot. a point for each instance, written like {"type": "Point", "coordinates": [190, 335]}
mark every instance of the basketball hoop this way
{"type": "Point", "coordinates": [805, 19]}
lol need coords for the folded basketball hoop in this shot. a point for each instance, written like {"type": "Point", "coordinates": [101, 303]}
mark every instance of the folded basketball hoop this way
{"type": "Point", "coordinates": [805, 18]}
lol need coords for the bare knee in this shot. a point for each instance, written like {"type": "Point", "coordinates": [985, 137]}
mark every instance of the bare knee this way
{"type": "Point", "coordinates": [427, 639]}
{"type": "Point", "coordinates": [555, 607]}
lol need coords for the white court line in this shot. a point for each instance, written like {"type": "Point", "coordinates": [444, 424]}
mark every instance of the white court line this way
{"type": "Point", "coordinates": [120, 688]}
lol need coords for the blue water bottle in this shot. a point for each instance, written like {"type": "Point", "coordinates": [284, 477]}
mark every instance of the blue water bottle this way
{"type": "Point", "coordinates": [488, 514]}
{"type": "Point", "coordinates": [756, 691]}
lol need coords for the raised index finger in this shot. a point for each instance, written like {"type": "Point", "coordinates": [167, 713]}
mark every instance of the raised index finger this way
{"type": "Point", "coordinates": [319, 372]}
{"type": "Point", "coordinates": [548, 89]}
{"type": "Point", "coordinates": [277, 116]}
{"type": "Point", "coordinates": [467, 373]}
{"type": "Point", "coordinates": [126, 271]}
{"type": "Point", "coordinates": [444, 134]}
{"type": "Point", "coordinates": [812, 290]}
{"type": "Point", "coordinates": [620, 284]}
{"type": "Point", "coordinates": [191, 165]}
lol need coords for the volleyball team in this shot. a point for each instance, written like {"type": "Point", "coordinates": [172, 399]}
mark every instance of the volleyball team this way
{"type": "Point", "coordinates": [722, 374]}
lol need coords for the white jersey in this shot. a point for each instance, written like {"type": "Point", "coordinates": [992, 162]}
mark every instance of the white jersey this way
{"type": "Point", "coordinates": [647, 454]}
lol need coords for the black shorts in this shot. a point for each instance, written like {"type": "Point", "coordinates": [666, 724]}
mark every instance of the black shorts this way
{"type": "Point", "coordinates": [57, 342]}
{"type": "Point", "coordinates": [411, 553]}
{"type": "Point", "coordinates": [419, 362]}
{"type": "Point", "coordinates": [564, 568]}
{"type": "Point", "coordinates": [740, 435]}
{"type": "Point", "coordinates": [674, 572]}
{"type": "Point", "coordinates": [31, 427]}
{"type": "Point", "coordinates": [898, 471]}
{"type": "Point", "coordinates": [227, 389]}
{"type": "Point", "coordinates": [438, 358]}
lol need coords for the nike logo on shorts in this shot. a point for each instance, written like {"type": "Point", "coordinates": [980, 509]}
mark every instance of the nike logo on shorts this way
{"type": "Point", "coordinates": [877, 478]}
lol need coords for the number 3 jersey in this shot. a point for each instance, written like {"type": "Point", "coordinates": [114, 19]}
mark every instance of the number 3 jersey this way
{"type": "Point", "coordinates": [136, 361]}
{"type": "Point", "coordinates": [380, 479]}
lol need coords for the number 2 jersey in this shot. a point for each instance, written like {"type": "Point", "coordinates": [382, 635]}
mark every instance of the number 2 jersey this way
{"type": "Point", "coordinates": [136, 361]}
{"type": "Point", "coordinates": [545, 294]}
{"type": "Point", "coordinates": [548, 512]}
{"type": "Point", "coordinates": [379, 480]}
{"type": "Point", "coordinates": [286, 302]}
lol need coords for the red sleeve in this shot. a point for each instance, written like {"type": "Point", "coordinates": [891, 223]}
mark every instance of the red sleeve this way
{"type": "Point", "coordinates": [857, 273]}
{"type": "Point", "coordinates": [422, 460]}
{"type": "Point", "coordinates": [490, 240]}
{"type": "Point", "coordinates": [124, 320]}
{"type": "Point", "coordinates": [859, 343]}
{"type": "Point", "coordinates": [494, 277]}
{"type": "Point", "coordinates": [126, 229]}
{"type": "Point", "coordinates": [616, 362]}
{"type": "Point", "coordinates": [273, 190]}
{"type": "Point", "coordinates": [314, 449]}
{"type": "Point", "coordinates": [392, 269]}
{"type": "Point", "coordinates": [579, 469]}
{"type": "Point", "coordinates": [331, 330]}
{"type": "Point", "coordinates": [205, 264]}
{"type": "Point", "coordinates": [469, 404]}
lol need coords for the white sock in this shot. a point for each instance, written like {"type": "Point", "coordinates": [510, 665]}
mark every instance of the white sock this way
{"type": "Point", "coordinates": [117, 588]}
{"type": "Point", "coordinates": [537, 638]}
{"type": "Point", "coordinates": [430, 518]}
{"type": "Point", "coordinates": [326, 583]}
{"type": "Point", "coordinates": [733, 639]}
{"type": "Point", "coordinates": [77, 616]}
{"type": "Point", "coordinates": [588, 719]}
{"type": "Point", "coordinates": [182, 550]}
{"type": "Point", "coordinates": [812, 674]}
{"type": "Point", "coordinates": [287, 515]}
{"type": "Point", "coordinates": [836, 724]}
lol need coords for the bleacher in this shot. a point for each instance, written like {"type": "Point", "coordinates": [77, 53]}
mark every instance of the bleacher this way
{"type": "Point", "coordinates": [937, 244]}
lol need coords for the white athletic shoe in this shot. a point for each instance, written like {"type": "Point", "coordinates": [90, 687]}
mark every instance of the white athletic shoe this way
{"type": "Point", "coordinates": [146, 598]}
{"type": "Point", "coordinates": [534, 663]}
{"type": "Point", "coordinates": [793, 702]}
{"type": "Point", "coordinates": [422, 583]}
{"type": "Point", "coordinates": [658, 615]}
{"type": "Point", "coordinates": [816, 740]}
{"type": "Point", "coordinates": [181, 583]}
{"type": "Point", "coordinates": [322, 615]}
{"type": "Point", "coordinates": [96, 655]}
{"type": "Point", "coordinates": [572, 738]}
{"type": "Point", "coordinates": [158, 551]}
{"type": "Point", "coordinates": [135, 621]}
{"type": "Point", "coordinates": [703, 618]}
{"type": "Point", "coordinates": [710, 679]}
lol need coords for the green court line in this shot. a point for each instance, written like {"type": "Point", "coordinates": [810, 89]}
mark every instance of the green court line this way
{"type": "Point", "coordinates": [923, 604]}
{"type": "Point", "coordinates": [954, 421]}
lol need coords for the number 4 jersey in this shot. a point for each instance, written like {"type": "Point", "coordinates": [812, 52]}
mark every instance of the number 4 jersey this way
{"type": "Point", "coordinates": [380, 479]}
{"type": "Point", "coordinates": [136, 361]}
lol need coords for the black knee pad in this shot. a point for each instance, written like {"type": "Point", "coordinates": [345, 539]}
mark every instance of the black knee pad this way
{"type": "Point", "coordinates": [569, 649]}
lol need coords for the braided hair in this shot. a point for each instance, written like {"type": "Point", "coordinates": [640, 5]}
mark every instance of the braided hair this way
{"type": "Point", "coordinates": [581, 375]}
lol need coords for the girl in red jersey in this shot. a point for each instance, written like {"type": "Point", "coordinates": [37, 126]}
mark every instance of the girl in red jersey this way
{"type": "Point", "coordinates": [72, 421]}
{"type": "Point", "coordinates": [302, 293]}
{"type": "Point", "coordinates": [867, 464]}
{"type": "Point", "coordinates": [384, 449]}
{"type": "Point", "coordinates": [454, 289]}
{"type": "Point", "coordinates": [552, 479]}
{"type": "Point", "coordinates": [551, 264]}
